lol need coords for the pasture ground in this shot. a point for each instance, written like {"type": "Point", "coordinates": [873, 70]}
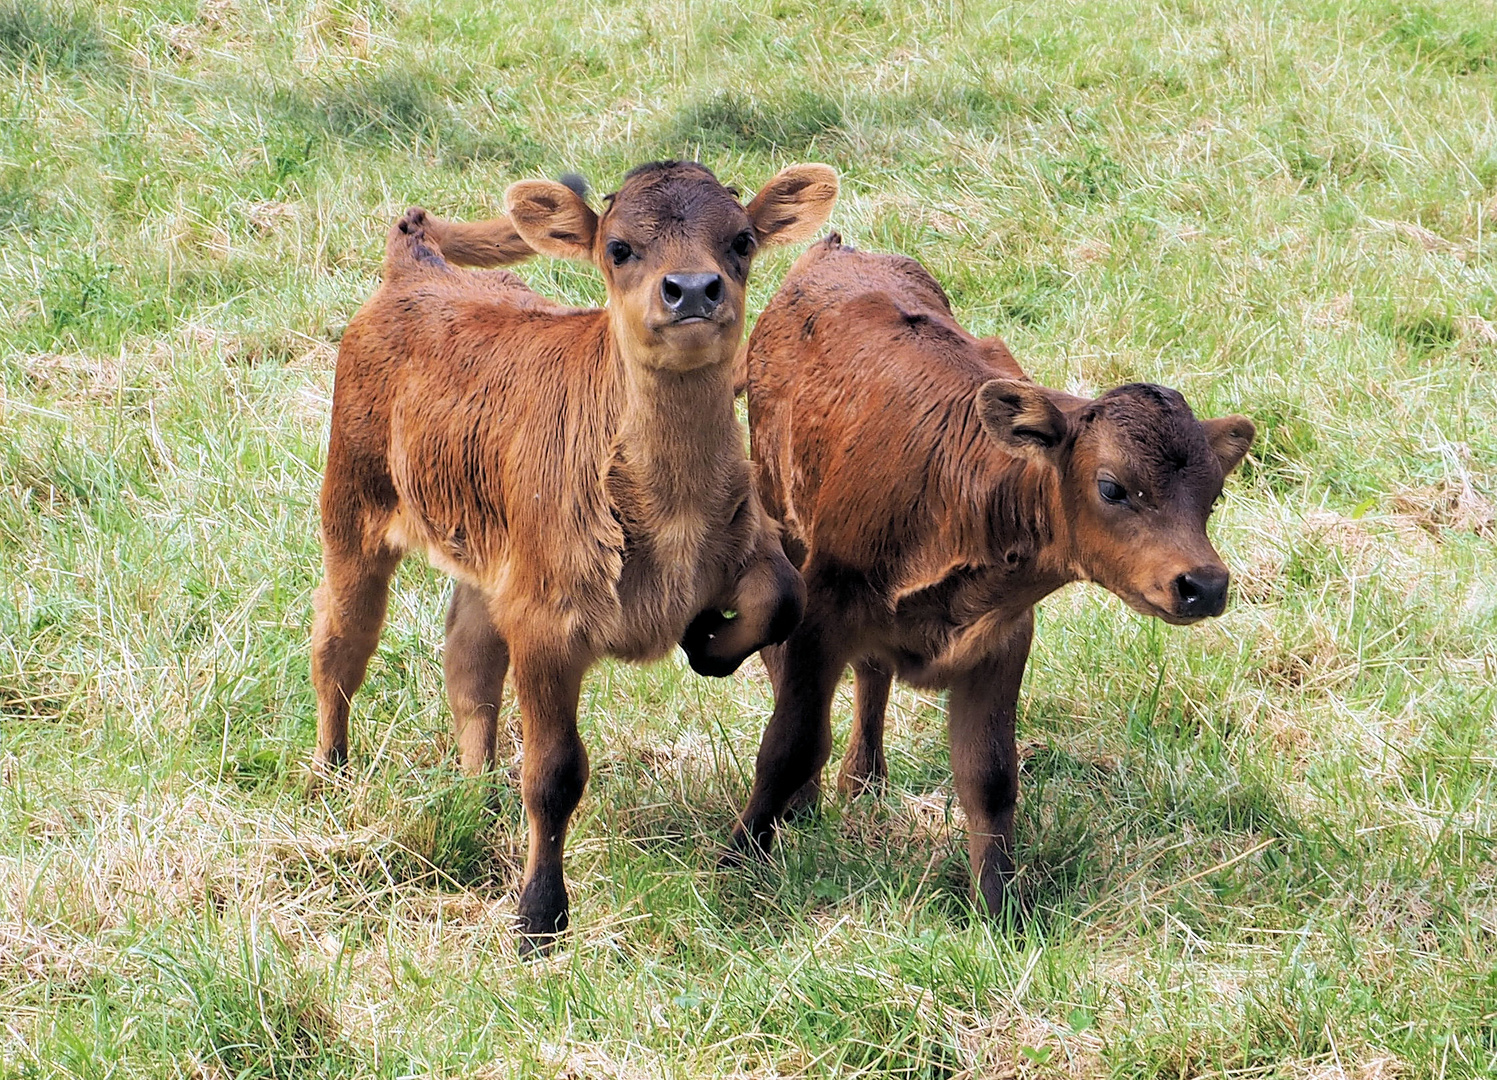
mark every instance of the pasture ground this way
{"type": "Point", "coordinates": [1263, 847]}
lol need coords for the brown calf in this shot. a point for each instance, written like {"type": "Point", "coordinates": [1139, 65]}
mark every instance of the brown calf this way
{"type": "Point", "coordinates": [931, 496]}
{"type": "Point", "coordinates": [579, 472]}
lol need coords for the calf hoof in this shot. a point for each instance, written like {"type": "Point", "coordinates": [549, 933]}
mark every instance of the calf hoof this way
{"type": "Point", "coordinates": [743, 847]}
{"type": "Point", "coordinates": [325, 771]}
{"type": "Point", "coordinates": [999, 896]}
{"type": "Point", "coordinates": [536, 946]}
{"type": "Point", "coordinates": [862, 777]}
{"type": "Point", "coordinates": [1006, 912]}
{"type": "Point", "coordinates": [542, 917]}
{"type": "Point", "coordinates": [698, 643]}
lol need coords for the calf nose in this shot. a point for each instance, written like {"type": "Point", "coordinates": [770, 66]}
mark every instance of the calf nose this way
{"type": "Point", "coordinates": [1202, 591]}
{"type": "Point", "coordinates": [689, 296]}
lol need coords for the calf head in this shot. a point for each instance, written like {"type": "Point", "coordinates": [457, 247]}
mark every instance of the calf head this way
{"type": "Point", "coordinates": [674, 247]}
{"type": "Point", "coordinates": [1138, 476]}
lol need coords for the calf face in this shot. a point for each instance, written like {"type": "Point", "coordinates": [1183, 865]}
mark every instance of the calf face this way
{"type": "Point", "coordinates": [1138, 475]}
{"type": "Point", "coordinates": [674, 247]}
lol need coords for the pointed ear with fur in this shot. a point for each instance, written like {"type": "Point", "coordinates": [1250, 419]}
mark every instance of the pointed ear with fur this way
{"type": "Point", "coordinates": [552, 219]}
{"type": "Point", "coordinates": [794, 205]}
{"type": "Point", "coordinates": [1230, 437]}
{"type": "Point", "coordinates": [1020, 416]}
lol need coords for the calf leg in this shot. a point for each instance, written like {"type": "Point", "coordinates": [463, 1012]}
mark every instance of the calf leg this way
{"type": "Point", "coordinates": [767, 601]}
{"type": "Point", "coordinates": [798, 740]}
{"type": "Point", "coordinates": [551, 781]}
{"type": "Point", "coordinates": [985, 765]}
{"type": "Point", "coordinates": [350, 607]}
{"type": "Point", "coordinates": [863, 766]}
{"type": "Point", "coordinates": [474, 661]}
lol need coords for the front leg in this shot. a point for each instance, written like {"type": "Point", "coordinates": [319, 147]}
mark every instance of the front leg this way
{"type": "Point", "coordinates": [985, 764]}
{"type": "Point", "coordinates": [552, 777]}
{"type": "Point", "coordinates": [766, 603]}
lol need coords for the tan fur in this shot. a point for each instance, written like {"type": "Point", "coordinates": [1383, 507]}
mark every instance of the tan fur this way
{"type": "Point", "coordinates": [579, 472]}
{"type": "Point", "coordinates": [931, 495]}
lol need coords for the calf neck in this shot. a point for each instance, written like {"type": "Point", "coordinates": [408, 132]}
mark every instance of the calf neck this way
{"type": "Point", "coordinates": [579, 472]}
{"type": "Point", "coordinates": [931, 496]}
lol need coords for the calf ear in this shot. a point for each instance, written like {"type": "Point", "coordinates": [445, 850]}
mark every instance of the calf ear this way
{"type": "Point", "coordinates": [793, 205]}
{"type": "Point", "coordinates": [552, 218]}
{"type": "Point", "coordinates": [1230, 437]}
{"type": "Point", "coordinates": [1020, 416]}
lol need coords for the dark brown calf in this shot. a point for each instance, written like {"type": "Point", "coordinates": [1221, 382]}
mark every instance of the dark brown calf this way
{"type": "Point", "coordinates": [931, 496]}
{"type": "Point", "coordinates": [580, 473]}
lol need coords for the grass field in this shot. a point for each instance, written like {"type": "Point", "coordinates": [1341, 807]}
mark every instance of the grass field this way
{"type": "Point", "coordinates": [1263, 847]}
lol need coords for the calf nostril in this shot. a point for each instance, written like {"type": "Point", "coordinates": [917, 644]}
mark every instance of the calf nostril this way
{"type": "Point", "coordinates": [692, 296]}
{"type": "Point", "coordinates": [1202, 592]}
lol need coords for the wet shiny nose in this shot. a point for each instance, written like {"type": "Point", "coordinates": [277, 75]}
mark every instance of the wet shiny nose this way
{"type": "Point", "coordinates": [689, 296]}
{"type": "Point", "coordinates": [1202, 592]}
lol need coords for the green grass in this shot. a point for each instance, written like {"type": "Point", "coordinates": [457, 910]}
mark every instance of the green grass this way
{"type": "Point", "coordinates": [1263, 847]}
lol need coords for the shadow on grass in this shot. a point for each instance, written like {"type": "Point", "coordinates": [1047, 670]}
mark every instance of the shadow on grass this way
{"type": "Point", "coordinates": [55, 36]}
{"type": "Point", "coordinates": [897, 850]}
{"type": "Point", "coordinates": [727, 122]}
{"type": "Point", "coordinates": [397, 107]}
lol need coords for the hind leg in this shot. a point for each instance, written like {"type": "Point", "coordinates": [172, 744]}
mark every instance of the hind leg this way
{"type": "Point", "coordinates": [474, 661]}
{"type": "Point", "coordinates": [552, 779]}
{"type": "Point", "coordinates": [350, 613]}
{"type": "Point", "coordinates": [863, 766]}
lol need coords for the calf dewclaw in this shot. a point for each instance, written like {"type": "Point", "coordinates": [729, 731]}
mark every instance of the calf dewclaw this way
{"type": "Point", "coordinates": [931, 495]}
{"type": "Point", "coordinates": [579, 472]}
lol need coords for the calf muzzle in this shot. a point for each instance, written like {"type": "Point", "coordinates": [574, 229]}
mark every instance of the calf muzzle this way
{"type": "Point", "coordinates": [1201, 592]}
{"type": "Point", "coordinates": [691, 296]}
{"type": "Point", "coordinates": [771, 603]}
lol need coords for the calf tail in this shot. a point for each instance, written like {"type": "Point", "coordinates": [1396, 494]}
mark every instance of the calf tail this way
{"type": "Point", "coordinates": [419, 241]}
{"type": "Point", "coordinates": [495, 242]}
{"type": "Point", "coordinates": [409, 249]}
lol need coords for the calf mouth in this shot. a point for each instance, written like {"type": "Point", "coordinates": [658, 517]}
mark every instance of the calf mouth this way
{"type": "Point", "coordinates": [1139, 603]}
{"type": "Point", "coordinates": [717, 318]}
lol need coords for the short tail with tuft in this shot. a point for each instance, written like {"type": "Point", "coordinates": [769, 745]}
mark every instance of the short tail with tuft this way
{"type": "Point", "coordinates": [495, 242]}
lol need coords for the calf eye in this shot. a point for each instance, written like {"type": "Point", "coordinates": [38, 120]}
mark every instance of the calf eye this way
{"type": "Point", "coordinates": [1112, 491]}
{"type": "Point", "coordinates": [619, 252]}
{"type": "Point", "coordinates": [743, 244]}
